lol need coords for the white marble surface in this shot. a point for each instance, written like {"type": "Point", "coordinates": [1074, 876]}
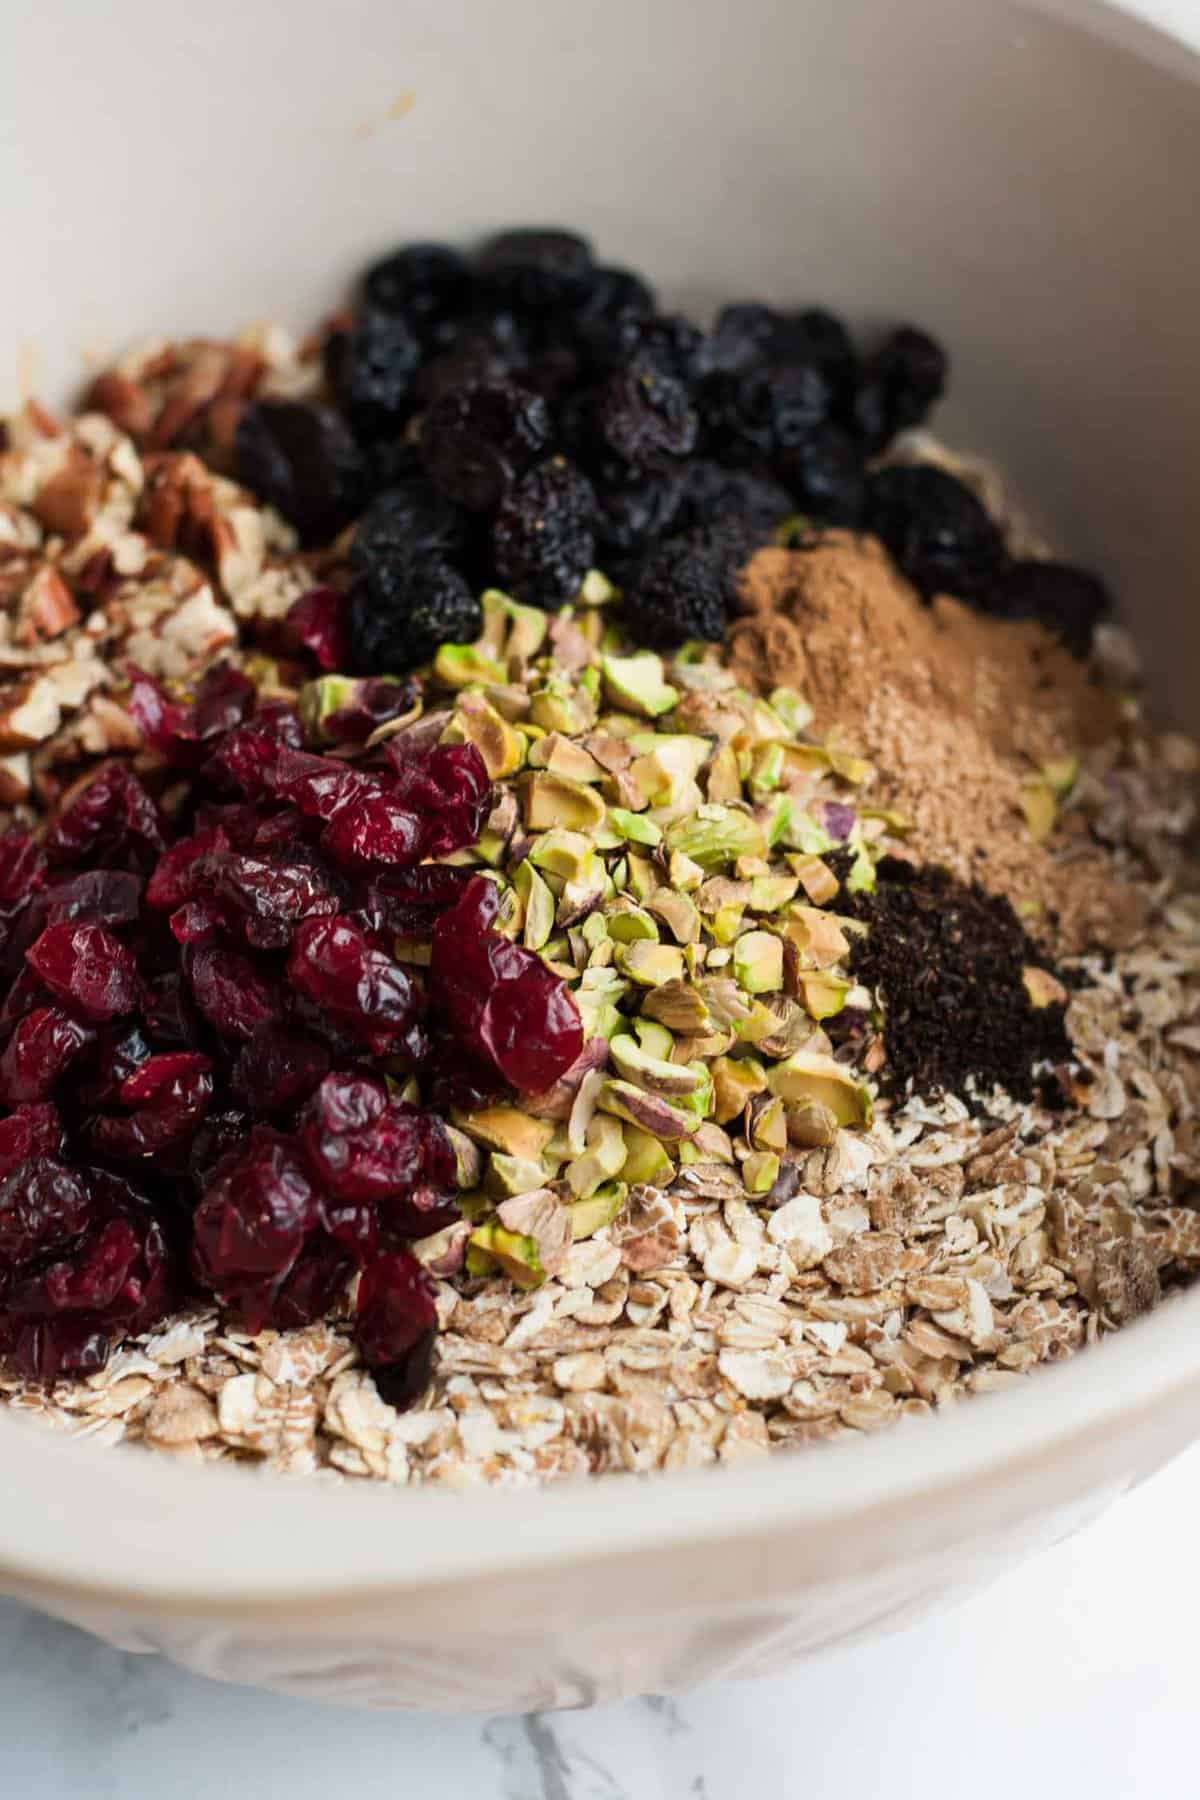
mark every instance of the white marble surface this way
{"type": "Point", "coordinates": [1075, 1675]}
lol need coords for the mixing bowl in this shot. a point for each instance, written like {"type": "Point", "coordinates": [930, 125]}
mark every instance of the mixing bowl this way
{"type": "Point", "coordinates": [1019, 181]}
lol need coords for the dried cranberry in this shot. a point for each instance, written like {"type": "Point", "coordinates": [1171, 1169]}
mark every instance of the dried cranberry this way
{"type": "Point", "coordinates": [44, 1044]}
{"type": "Point", "coordinates": [42, 1207]}
{"type": "Point", "coordinates": [320, 786]}
{"type": "Point", "coordinates": [366, 1146]}
{"type": "Point", "coordinates": [111, 820]}
{"type": "Point", "coordinates": [29, 1131]}
{"type": "Point", "coordinates": [171, 883]}
{"type": "Point", "coordinates": [406, 902]}
{"type": "Point", "coordinates": [22, 866]}
{"type": "Point", "coordinates": [376, 830]}
{"type": "Point", "coordinates": [257, 1210]}
{"type": "Point", "coordinates": [359, 987]}
{"type": "Point", "coordinates": [278, 1069]}
{"type": "Point", "coordinates": [102, 896]}
{"type": "Point", "coordinates": [371, 703]}
{"type": "Point", "coordinates": [313, 1285]}
{"type": "Point", "coordinates": [449, 786]}
{"type": "Point", "coordinates": [49, 1348]}
{"type": "Point", "coordinates": [88, 968]}
{"type": "Point", "coordinates": [316, 621]}
{"type": "Point", "coordinates": [168, 1097]}
{"type": "Point", "coordinates": [500, 998]}
{"type": "Point", "coordinates": [230, 992]}
{"type": "Point", "coordinates": [265, 888]}
{"type": "Point", "coordinates": [395, 1325]}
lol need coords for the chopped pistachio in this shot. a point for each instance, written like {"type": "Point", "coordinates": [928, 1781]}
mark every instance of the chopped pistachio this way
{"type": "Point", "coordinates": [654, 1038]}
{"type": "Point", "coordinates": [817, 935]}
{"type": "Point", "coordinates": [320, 699]}
{"type": "Point", "coordinates": [645, 1158]}
{"type": "Point", "coordinates": [476, 722]}
{"type": "Point", "coordinates": [569, 855]}
{"type": "Point", "coordinates": [627, 924]}
{"type": "Point", "coordinates": [758, 962]}
{"type": "Point", "coordinates": [637, 682]}
{"type": "Point", "coordinates": [678, 912]}
{"type": "Point", "coordinates": [678, 1005]}
{"type": "Point", "coordinates": [684, 874]}
{"type": "Point", "coordinates": [633, 1063]}
{"type": "Point", "coordinates": [1042, 988]}
{"type": "Point", "coordinates": [766, 771]}
{"type": "Point", "coordinates": [643, 880]}
{"type": "Point", "coordinates": [650, 964]}
{"type": "Point", "coordinates": [793, 709]}
{"type": "Point", "coordinates": [760, 1171]}
{"type": "Point", "coordinates": [490, 1247]}
{"type": "Point", "coordinates": [596, 589]}
{"type": "Point", "coordinates": [598, 1210]}
{"type": "Point", "coordinates": [468, 1158]}
{"type": "Point", "coordinates": [769, 892]}
{"type": "Point", "coordinates": [551, 800]}
{"type": "Point", "coordinates": [716, 835]}
{"type": "Point", "coordinates": [465, 665]}
{"type": "Point", "coordinates": [527, 625]}
{"type": "Point", "coordinates": [634, 827]}
{"type": "Point", "coordinates": [539, 905]}
{"type": "Point", "coordinates": [1040, 807]}
{"type": "Point", "coordinates": [816, 878]}
{"type": "Point", "coordinates": [808, 1076]}
{"type": "Point", "coordinates": [861, 879]}
{"type": "Point", "coordinates": [508, 1175]}
{"type": "Point", "coordinates": [723, 778]}
{"type": "Point", "coordinates": [768, 1124]}
{"type": "Point", "coordinates": [652, 1112]}
{"type": "Point", "coordinates": [811, 1124]}
{"type": "Point", "coordinates": [602, 1158]}
{"type": "Point", "coordinates": [1061, 775]}
{"type": "Point", "coordinates": [563, 756]}
{"type": "Point", "coordinates": [726, 924]}
{"type": "Point", "coordinates": [735, 1080]}
{"type": "Point", "coordinates": [559, 706]}
{"type": "Point", "coordinates": [823, 994]}
{"type": "Point", "coordinates": [507, 1129]}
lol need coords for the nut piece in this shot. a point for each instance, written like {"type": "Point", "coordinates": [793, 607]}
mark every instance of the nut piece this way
{"type": "Point", "coordinates": [650, 965]}
{"type": "Point", "coordinates": [758, 962]}
{"type": "Point", "coordinates": [636, 682]}
{"type": "Point", "coordinates": [654, 1114]}
{"type": "Point", "coordinates": [551, 800]}
{"type": "Point", "coordinates": [735, 1081]}
{"type": "Point", "coordinates": [717, 834]}
{"type": "Point", "coordinates": [508, 1130]}
{"type": "Point", "coordinates": [808, 1077]}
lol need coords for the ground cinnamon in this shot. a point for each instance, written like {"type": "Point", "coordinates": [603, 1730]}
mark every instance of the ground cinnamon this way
{"type": "Point", "coordinates": [956, 711]}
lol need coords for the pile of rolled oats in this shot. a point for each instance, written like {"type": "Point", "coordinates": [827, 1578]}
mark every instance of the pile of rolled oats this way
{"type": "Point", "coordinates": [683, 1256]}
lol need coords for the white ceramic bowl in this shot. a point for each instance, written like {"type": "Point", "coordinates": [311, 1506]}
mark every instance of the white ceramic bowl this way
{"type": "Point", "coordinates": [1025, 185]}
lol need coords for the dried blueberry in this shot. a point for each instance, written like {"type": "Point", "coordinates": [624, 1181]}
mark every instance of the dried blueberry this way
{"type": "Point", "coordinates": [402, 611]}
{"type": "Point", "coordinates": [478, 441]}
{"type": "Point", "coordinates": [536, 270]}
{"type": "Point", "coordinates": [304, 460]}
{"type": "Point", "coordinates": [1065, 599]}
{"type": "Point", "coordinates": [543, 540]}
{"type": "Point", "coordinates": [825, 476]}
{"type": "Point", "coordinates": [711, 492]}
{"type": "Point", "coordinates": [412, 518]}
{"type": "Point", "coordinates": [938, 532]}
{"type": "Point", "coordinates": [899, 387]}
{"type": "Point", "coordinates": [427, 285]}
{"type": "Point", "coordinates": [754, 415]}
{"type": "Point", "coordinates": [371, 368]}
{"type": "Point", "coordinates": [685, 587]}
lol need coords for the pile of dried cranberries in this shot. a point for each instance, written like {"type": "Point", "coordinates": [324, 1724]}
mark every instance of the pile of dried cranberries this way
{"type": "Point", "coordinates": [206, 1031]}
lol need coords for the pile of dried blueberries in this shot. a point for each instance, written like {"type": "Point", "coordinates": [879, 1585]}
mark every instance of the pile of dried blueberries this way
{"type": "Point", "coordinates": [517, 417]}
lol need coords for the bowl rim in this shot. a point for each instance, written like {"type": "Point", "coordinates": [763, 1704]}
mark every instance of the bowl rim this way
{"type": "Point", "coordinates": [201, 1539]}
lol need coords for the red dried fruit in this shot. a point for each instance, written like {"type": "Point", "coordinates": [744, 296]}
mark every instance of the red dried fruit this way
{"type": "Point", "coordinates": [357, 986]}
{"type": "Point", "coordinates": [320, 786]}
{"type": "Point", "coordinates": [29, 1131]}
{"type": "Point", "coordinates": [168, 1097]}
{"type": "Point", "coordinates": [22, 866]}
{"type": "Point", "coordinates": [316, 621]}
{"type": "Point", "coordinates": [44, 1044]}
{"type": "Point", "coordinates": [230, 992]}
{"type": "Point", "coordinates": [47, 1349]}
{"type": "Point", "coordinates": [449, 786]}
{"type": "Point", "coordinates": [101, 896]}
{"type": "Point", "coordinates": [223, 700]}
{"type": "Point", "coordinates": [375, 830]}
{"type": "Point", "coordinates": [499, 998]}
{"type": "Point", "coordinates": [257, 1210]}
{"type": "Point", "coordinates": [87, 967]}
{"type": "Point", "coordinates": [372, 703]}
{"type": "Point", "coordinates": [278, 1069]}
{"type": "Point", "coordinates": [364, 1145]}
{"type": "Point", "coordinates": [395, 1325]}
{"type": "Point", "coordinates": [108, 823]}
{"type": "Point", "coordinates": [171, 883]}
{"type": "Point", "coordinates": [407, 902]}
{"type": "Point", "coordinates": [266, 888]}
{"type": "Point", "coordinates": [314, 1284]}
{"type": "Point", "coordinates": [42, 1207]}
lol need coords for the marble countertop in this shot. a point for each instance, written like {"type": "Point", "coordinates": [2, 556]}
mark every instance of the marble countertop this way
{"type": "Point", "coordinates": [1076, 1674]}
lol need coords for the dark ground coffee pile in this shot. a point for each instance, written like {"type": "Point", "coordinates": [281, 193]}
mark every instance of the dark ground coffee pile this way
{"type": "Point", "coordinates": [946, 961]}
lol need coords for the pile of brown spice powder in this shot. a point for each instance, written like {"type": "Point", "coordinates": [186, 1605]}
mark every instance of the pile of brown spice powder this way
{"type": "Point", "coordinates": [956, 711]}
